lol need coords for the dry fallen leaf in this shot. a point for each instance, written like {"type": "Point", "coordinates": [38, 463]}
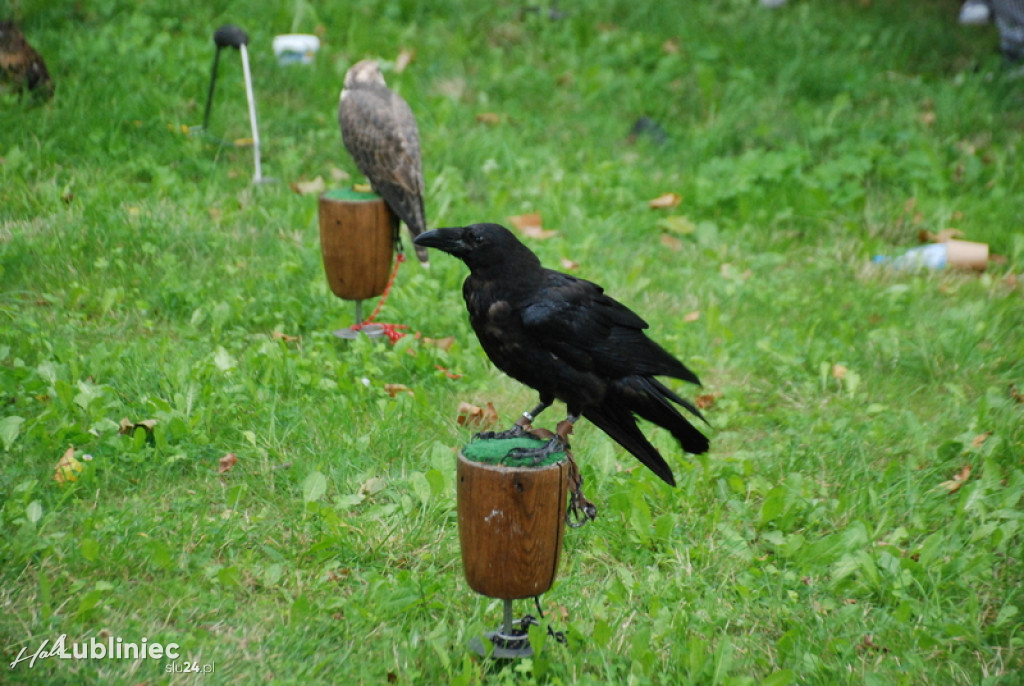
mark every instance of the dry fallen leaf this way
{"type": "Point", "coordinates": [980, 439]}
{"type": "Point", "coordinates": [339, 174]}
{"type": "Point", "coordinates": [280, 336]}
{"type": "Point", "coordinates": [869, 644]}
{"type": "Point", "coordinates": [671, 242]}
{"type": "Point", "coordinates": [489, 118]}
{"type": "Point", "coordinates": [665, 200]}
{"type": "Point", "coordinates": [671, 46]}
{"type": "Point", "coordinates": [958, 480]}
{"type": "Point", "coordinates": [926, 236]}
{"type": "Point", "coordinates": [839, 371]}
{"type": "Point", "coordinates": [127, 426]}
{"type": "Point", "coordinates": [530, 226]}
{"type": "Point", "coordinates": [450, 374]}
{"type": "Point", "coordinates": [226, 463]}
{"type": "Point", "coordinates": [1016, 394]}
{"type": "Point", "coordinates": [394, 389]}
{"type": "Point", "coordinates": [691, 316]}
{"type": "Point", "coordinates": [569, 265]}
{"type": "Point", "coordinates": [443, 343]}
{"type": "Point", "coordinates": [404, 59]}
{"type": "Point", "coordinates": [481, 417]}
{"type": "Point", "coordinates": [317, 185]}
{"type": "Point", "coordinates": [68, 468]}
{"type": "Point", "coordinates": [707, 400]}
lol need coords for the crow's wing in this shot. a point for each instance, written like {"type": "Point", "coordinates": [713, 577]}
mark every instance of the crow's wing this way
{"type": "Point", "coordinates": [574, 320]}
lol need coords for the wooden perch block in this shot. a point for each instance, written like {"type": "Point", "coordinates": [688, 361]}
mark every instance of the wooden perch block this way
{"type": "Point", "coordinates": [511, 522]}
{"type": "Point", "coordinates": [357, 239]}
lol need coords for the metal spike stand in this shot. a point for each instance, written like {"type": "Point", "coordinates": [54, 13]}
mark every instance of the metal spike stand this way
{"type": "Point", "coordinates": [230, 36]}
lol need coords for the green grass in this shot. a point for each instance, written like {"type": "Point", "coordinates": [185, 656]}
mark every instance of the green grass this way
{"type": "Point", "coordinates": [143, 276]}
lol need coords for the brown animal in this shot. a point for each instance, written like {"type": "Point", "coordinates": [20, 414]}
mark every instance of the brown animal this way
{"type": "Point", "coordinates": [379, 131]}
{"type": "Point", "coordinates": [21, 67]}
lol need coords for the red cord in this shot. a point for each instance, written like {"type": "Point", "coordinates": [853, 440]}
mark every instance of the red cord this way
{"type": "Point", "coordinates": [392, 330]}
{"type": "Point", "coordinates": [387, 291]}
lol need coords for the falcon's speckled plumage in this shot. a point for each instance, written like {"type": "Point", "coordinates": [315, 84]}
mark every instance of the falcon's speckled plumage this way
{"type": "Point", "coordinates": [379, 131]}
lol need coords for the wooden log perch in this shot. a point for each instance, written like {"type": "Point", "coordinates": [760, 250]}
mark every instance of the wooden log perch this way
{"type": "Point", "coordinates": [357, 239]}
{"type": "Point", "coordinates": [511, 523]}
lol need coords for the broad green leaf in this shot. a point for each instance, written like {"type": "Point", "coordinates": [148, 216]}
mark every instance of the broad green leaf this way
{"type": "Point", "coordinates": [10, 427]}
{"type": "Point", "coordinates": [314, 486]}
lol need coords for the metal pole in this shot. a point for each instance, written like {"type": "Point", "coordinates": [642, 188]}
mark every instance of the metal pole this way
{"type": "Point", "coordinates": [507, 626]}
{"type": "Point", "coordinates": [209, 95]}
{"type": "Point", "coordinates": [252, 113]}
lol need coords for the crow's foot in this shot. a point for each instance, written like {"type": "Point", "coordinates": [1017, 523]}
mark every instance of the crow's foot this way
{"type": "Point", "coordinates": [580, 510]}
{"type": "Point", "coordinates": [517, 431]}
{"type": "Point", "coordinates": [538, 455]}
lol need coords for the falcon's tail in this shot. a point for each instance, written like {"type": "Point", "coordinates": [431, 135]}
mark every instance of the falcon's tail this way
{"type": "Point", "coordinates": [409, 209]}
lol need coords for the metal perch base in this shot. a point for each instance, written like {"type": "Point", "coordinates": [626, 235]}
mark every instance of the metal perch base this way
{"type": "Point", "coordinates": [511, 642]}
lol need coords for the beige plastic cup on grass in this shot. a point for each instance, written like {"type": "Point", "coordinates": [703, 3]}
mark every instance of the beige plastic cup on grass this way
{"type": "Point", "coordinates": [966, 254]}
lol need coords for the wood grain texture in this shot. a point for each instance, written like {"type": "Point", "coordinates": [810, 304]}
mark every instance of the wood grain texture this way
{"type": "Point", "coordinates": [511, 523]}
{"type": "Point", "coordinates": [357, 242]}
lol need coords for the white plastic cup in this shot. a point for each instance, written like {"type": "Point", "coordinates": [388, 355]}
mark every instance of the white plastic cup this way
{"type": "Point", "coordinates": [295, 48]}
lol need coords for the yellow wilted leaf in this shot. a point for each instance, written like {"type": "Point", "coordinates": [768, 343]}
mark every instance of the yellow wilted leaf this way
{"type": "Point", "coordinates": [317, 185]}
{"type": "Point", "coordinates": [338, 174]}
{"type": "Point", "coordinates": [665, 200]}
{"type": "Point", "coordinates": [677, 224]}
{"type": "Point", "coordinates": [691, 316]}
{"type": "Point", "coordinates": [68, 468]}
{"type": "Point", "coordinates": [404, 59]}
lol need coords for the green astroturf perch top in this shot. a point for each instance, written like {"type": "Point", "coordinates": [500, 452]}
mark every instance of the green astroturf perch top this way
{"type": "Point", "coordinates": [494, 451]}
{"type": "Point", "coordinates": [351, 195]}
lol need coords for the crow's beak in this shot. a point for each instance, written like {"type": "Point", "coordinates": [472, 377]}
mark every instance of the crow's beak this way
{"type": "Point", "coordinates": [445, 240]}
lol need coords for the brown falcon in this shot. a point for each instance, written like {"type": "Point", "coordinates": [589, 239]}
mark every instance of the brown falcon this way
{"type": "Point", "coordinates": [379, 131]}
{"type": "Point", "coordinates": [20, 65]}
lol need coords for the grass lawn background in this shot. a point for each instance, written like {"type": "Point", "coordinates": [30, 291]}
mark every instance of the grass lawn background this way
{"type": "Point", "coordinates": [858, 519]}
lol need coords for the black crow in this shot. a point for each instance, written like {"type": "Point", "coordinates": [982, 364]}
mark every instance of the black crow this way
{"type": "Point", "coordinates": [566, 339]}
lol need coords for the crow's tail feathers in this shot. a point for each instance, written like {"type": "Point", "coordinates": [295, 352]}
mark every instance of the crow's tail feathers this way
{"type": "Point", "coordinates": [650, 399]}
{"type": "Point", "coordinates": [619, 423]}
